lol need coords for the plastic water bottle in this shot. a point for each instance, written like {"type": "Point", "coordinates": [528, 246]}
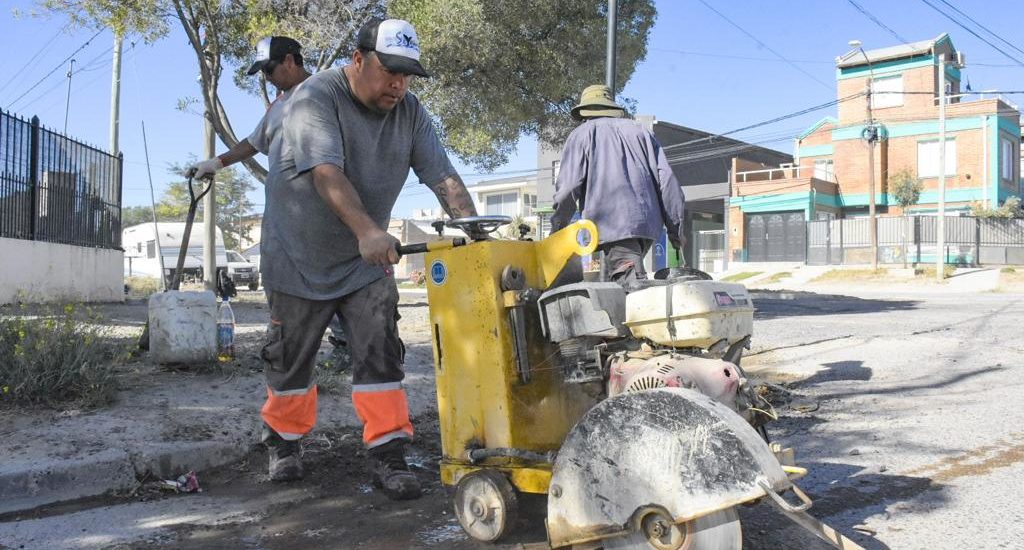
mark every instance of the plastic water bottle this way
{"type": "Point", "coordinates": [225, 331]}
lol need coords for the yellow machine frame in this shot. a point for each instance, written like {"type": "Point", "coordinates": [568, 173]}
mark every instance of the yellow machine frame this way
{"type": "Point", "coordinates": [482, 402]}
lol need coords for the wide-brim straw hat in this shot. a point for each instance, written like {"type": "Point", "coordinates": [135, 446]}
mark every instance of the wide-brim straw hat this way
{"type": "Point", "coordinates": [596, 101]}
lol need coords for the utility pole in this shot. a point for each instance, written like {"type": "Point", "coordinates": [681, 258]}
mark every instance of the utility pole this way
{"type": "Point", "coordinates": [870, 135]}
{"type": "Point", "coordinates": [609, 74]}
{"type": "Point", "coordinates": [940, 225]}
{"type": "Point", "coordinates": [210, 215]}
{"type": "Point", "coordinates": [67, 105]}
{"type": "Point", "coordinates": [115, 94]}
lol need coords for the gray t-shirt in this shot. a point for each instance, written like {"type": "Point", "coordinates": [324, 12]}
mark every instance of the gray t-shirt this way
{"type": "Point", "coordinates": [307, 250]}
{"type": "Point", "coordinates": [268, 130]}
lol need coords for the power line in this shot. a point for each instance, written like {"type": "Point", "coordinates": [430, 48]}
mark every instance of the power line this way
{"type": "Point", "coordinates": [983, 27]}
{"type": "Point", "coordinates": [771, 121]}
{"type": "Point", "coordinates": [765, 46]}
{"type": "Point", "coordinates": [877, 21]}
{"type": "Point", "coordinates": [976, 35]}
{"type": "Point", "coordinates": [59, 65]}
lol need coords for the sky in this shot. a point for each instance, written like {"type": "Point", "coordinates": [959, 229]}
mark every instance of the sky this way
{"type": "Point", "coordinates": [711, 65]}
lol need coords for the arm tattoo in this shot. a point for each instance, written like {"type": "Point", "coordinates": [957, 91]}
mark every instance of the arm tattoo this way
{"type": "Point", "coordinates": [454, 198]}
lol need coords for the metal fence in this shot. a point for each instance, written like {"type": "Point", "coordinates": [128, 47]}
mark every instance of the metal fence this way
{"type": "Point", "coordinates": [56, 189]}
{"type": "Point", "coordinates": [711, 250]}
{"type": "Point", "coordinates": [968, 240]}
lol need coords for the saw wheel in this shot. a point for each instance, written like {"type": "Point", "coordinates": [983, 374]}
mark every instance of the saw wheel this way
{"type": "Point", "coordinates": [654, 530]}
{"type": "Point", "coordinates": [486, 505]}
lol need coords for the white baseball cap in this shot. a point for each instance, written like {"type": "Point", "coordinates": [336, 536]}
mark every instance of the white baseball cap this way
{"type": "Point", "coordinates": [396, 45]}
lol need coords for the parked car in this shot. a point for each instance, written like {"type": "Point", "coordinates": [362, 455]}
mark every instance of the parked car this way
{"type": "Point", "coordinates": [242, 271]}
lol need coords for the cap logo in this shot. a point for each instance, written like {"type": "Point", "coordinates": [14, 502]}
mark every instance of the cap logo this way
{"type": "Point", "coordinates": [397, 37]}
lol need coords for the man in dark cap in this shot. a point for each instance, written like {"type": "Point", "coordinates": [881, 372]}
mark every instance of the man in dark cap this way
{"type": "Point", "coordinates": [280, 60]}
{"type": "Point", "coordinates": [351, 134]}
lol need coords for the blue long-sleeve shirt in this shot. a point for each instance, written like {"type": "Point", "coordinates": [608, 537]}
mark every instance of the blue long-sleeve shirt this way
{"type": "Point", "coordinates": [616, 172]}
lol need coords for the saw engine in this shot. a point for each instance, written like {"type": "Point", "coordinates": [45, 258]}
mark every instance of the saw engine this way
{"type": "Point", "coordinates": [685, 331]}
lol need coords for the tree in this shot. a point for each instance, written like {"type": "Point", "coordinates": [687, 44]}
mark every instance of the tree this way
{"type": "Point", "coordinates": [134, 215]}
{"type": "Point", "coordinates": [1011, 208]}
{"type": "Point", "coordinates": [233, 203]}
{"type": "Point", "coordinates": [502, 68]}
{"type": "Point", "coordinates": [906, 187]}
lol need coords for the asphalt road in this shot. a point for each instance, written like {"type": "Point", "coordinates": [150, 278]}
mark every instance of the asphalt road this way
{"type": "Point", "coordinates": [907, 413]}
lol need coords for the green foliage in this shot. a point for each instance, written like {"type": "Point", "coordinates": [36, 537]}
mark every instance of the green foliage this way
{"type": "Point", "coordinates": [134, 215]}
{"type": "Point", "coordinates": [906, 187]}
{"type": "Point", "coordinates": [503, 68]}
{"type": "Point", "coordinates": [145, 17]}
{"type": "Point", "coordinates": [1011, 208]}
{"type": "Point", "coordinates": [57, 358]}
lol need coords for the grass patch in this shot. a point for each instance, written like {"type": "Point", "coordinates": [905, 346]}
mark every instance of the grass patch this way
{"type": "Point", "coordinates": [736, 277]}
{"type": "Point", "coordinates": [56, 358]}
{"type": "Point", "coordinates": [1008, 270]}
{"type": "Point", "coordinates": [777, 277]}
{"type": "Point", "coordinates": [928, 272]}
{"type": "Point", "coordinates": [848, 275]}
{"type": "Point", "coordinates": [140, 288]}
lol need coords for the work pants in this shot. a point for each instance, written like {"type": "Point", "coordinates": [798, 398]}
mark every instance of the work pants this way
{"type": "Point", "coordinates": [370, 321]}
{"type": "Point", "coordinates": [623, 261]}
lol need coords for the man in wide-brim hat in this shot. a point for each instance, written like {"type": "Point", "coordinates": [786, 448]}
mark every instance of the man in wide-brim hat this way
{"type": "Point", "coordinates": [614, 171]}
{"type": "Point", "coordinates": [596, 101]}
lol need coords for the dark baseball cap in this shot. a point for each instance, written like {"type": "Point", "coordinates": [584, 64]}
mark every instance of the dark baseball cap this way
{"type": "Point", "coordinates": [273, 48]}
{"type": "Point", "coordinates": [396, 45]}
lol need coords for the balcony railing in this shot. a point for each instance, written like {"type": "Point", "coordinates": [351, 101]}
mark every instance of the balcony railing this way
{"type": "Point", "coordinates": [783, 173]}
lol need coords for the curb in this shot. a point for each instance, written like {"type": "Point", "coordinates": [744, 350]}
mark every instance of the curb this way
{"type": "Point", "coordinates": [28, 485]}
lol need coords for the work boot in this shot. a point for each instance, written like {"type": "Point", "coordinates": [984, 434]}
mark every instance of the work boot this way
{"type": "Point", "coordinates": [285, 458]}
{"type": "Point", "coordinates": [391, 473]}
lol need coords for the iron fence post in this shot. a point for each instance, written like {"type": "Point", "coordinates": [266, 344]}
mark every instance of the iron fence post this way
{"type": "Point", "coordinates": [33, 177]}
{"type": "Point", "coordinates": [977, 241]}
{"type": "Point", "coordinates": [120, 193]}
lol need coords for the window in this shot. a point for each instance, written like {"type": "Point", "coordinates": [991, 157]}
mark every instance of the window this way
{"type": "Point", "coordinates": [151, 249]}
{"type": "Point", "coordinates": [529, 204]}
{"type": "Point", "coordinates": [504, 204]}
{"type": "Point", "coordinates": [235, 257]}
{"type": "Point", "coordinates": [928, 158]}
{"type": "Point", "coordinates": [823, 170]}
{"type": "Point", "coordinates": [887, 92]}
{"type": "Point", "coordinates": [1007, 159]}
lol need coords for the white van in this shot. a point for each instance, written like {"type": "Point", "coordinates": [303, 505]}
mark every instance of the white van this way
{"type": "Point", "coordinates": [140, 250]}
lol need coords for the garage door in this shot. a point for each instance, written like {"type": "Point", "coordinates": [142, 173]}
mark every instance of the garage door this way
{"type": "Point", "coordinates": [776, 237]}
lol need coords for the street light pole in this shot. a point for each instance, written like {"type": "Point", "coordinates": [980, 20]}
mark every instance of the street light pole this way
{"type": "Point", "coordinates": [940, 225]}
{"type": "Point", "coordinates": [609, 74]}
{"type": "Point", "coordinates": [871, 137]}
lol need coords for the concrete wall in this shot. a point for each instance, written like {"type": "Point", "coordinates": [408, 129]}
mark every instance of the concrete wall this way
{"type": "Point", "coordinates": [34, 271]}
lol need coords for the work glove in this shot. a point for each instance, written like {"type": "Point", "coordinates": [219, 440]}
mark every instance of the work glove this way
{"type": "Point", "coordinates": [204, 169]}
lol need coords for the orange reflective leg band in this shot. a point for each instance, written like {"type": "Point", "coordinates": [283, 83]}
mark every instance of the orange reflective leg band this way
{"type": "Point", "coordinates": [292, 414]}
{"type": "Point", "coordinates": [384, 411]}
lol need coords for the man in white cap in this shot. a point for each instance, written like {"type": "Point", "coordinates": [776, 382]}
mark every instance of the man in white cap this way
{"type": "Point", "coordinates": [351, 134]}
{"type": "Point", "coordinates": [614, 171]}
{"type": "Point", "coordinates": [280, 60]}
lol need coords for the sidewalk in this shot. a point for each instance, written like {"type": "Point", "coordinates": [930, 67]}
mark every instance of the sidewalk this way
{"type": "Point", "coordinates": [165, 423]}
{"type": "Point", "coordinates": [769, 280]}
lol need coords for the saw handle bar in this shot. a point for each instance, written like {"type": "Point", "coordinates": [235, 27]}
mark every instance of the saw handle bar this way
{"type": "Point", "coordinates": [422, 248]}
{"type": "Point", "coordinates": [781, 502]}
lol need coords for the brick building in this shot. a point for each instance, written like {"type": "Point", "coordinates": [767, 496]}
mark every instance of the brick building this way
{"type": "Point", "coordinates": [830, 175]}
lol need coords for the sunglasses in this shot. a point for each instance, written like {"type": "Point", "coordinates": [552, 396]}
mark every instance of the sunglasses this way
{"type": "Point", "coordinates": [268, 69]}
